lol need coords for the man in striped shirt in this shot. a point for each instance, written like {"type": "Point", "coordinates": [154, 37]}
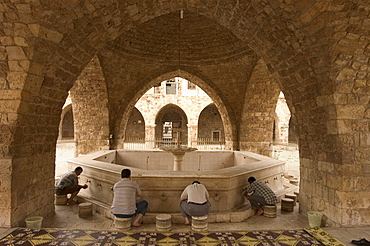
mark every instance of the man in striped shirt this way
{"type": "Point", "coordinates": [259, 194]}
{"type": "Point", "coordinates": [124, 202]}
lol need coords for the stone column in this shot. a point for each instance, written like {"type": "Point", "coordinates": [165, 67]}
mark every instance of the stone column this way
{"type": "Point", "coordinates": [178, 158]}
{"type": "Point", "coordinates": [149, 136]}
{"type": "Point", "coordinates": [192, 135]}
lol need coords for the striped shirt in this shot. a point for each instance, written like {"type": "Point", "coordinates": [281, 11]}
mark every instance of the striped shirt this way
{"type": "Point", "coordinates": [124, 200]}
{"type": "Point", "coordinates": [68, 179]}
{"type": "Point", "coordinates": [261, 189]}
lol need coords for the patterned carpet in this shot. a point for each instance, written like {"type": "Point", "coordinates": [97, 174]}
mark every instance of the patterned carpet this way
{"type": "Point", "coordinates": [41, 237]}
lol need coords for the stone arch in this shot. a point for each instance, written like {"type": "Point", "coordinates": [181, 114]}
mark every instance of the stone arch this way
{"type": "Point", "coordinates": [135, 129]}
{"type": "Point", "coordinates": [292, 138]}
{"type": "Point", "coordinates": [225, 115]}
{"type": "Point", "coordinates": [210, 122]}
{"type": "Point", "coordinates": [90, 105]}
{"type": "Point", "coordinates": [256, 129]}
{"type": "Point", "coordinates": [174, 132]}
{"type": "Point", "coordinates": [282, 118]}
{"type": "Point", "coordinates": [66, 127]}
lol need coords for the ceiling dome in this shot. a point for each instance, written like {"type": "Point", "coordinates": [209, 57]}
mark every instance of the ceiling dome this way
{"type": "Point", "coordinates": [192, 40]}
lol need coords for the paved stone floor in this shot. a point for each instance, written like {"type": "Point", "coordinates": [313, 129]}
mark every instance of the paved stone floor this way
{"type": "Point", "coordinates": [67, 217]}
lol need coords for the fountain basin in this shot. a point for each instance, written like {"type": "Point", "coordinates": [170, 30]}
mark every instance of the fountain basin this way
{"type": "Point", "coordinates": [224, 173]}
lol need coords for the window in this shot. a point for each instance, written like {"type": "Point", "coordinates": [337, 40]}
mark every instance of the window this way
{"type": "Point", "coordinates": [216, 135]}
{"type": "Point", "coordinates": [171, 87]}
{"type": "Point", "coordinates": [191, 86]}
{"type": "Point", "coordinates": [157, 89]}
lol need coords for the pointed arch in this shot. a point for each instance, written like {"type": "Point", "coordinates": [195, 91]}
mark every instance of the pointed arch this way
{"type": "Point", "coordinates": [171, 125]}
{"type": "Point", "coordinates": [227, 119]}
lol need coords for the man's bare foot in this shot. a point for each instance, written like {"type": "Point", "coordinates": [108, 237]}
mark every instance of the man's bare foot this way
{"type": "Point", "coordinates": [260, 211]}
{"type": "Point", "coordinates": [136, 224]}
{"type": "Point", "coordinates": [187, 222]}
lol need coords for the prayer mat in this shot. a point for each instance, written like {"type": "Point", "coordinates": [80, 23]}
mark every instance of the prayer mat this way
{"type": "Point", "coordinates": [56, 237]}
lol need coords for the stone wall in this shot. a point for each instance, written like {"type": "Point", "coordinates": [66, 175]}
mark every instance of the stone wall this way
{"type": "Point", "coordinates": [315, 52]}
{"type": "Point", "coordinates": [90, 107]}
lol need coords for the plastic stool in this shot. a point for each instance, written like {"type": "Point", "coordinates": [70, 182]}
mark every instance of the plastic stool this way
{"type": "Point", "coordinates": [122, 223]}
{"type": "Point", "coordinates": [269, 211]}
{"type": "Point", "coordinates": [60, 200]}
{"type": "Point", "coordinates": [85, 209]}
{"type": "Point", "coordinates": [199, 223]}
{"type": "Point", "coordinates": [287, 204]}
{"type": "Point", "coordinates": [163, 222]}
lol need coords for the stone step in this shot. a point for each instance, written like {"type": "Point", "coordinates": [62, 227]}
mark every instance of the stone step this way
{"type": "Point", "coordinates": [237, 215]}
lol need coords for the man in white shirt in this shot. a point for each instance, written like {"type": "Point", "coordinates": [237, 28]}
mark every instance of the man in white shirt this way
{"type": "Point", "coordinates": [194, 201]}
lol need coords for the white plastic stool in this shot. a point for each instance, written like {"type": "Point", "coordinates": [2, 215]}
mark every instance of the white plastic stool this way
{"type": "Point", "coordinates": [269, 211]}
{"type": "Point", "coordinates": [60, 200]}
{"type": "Point", "coordinates": [199, 223]}
{"type": "Point", "coordinates": [287, 204]}
{"type": "Point", "coordinates": [122, 223]}
{"type": "Point", "coordinates": [163, 222]}
{"type": "Point", "coordinates": [85, 209]}
{"type": "Point", "coordinates": [292, 196]}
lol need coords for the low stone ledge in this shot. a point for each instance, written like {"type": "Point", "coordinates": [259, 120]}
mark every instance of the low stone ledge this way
{"type": "Point", "coordinates": [238, 215]}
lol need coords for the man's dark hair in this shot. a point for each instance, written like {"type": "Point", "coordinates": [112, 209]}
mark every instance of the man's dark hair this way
{"type": "Point", "coordinates": [79, 169]}
{"type": "Point", "coordinates": [125, 173]}
{"type": "Point", "coordinates": [195, 182]}
{"type": "Point", "coordinates": [251, 179]}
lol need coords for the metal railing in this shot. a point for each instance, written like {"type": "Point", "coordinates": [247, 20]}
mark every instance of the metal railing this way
{"type": "Point", "coordinates": [200, 143]}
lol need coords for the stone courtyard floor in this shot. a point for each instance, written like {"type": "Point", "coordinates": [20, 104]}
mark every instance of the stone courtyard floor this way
{"type": "Point", "coordinates": [66, 217]}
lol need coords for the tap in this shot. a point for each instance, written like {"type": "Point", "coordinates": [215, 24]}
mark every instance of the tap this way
{"type": "Point", "coordinates": [216, 197]}
{"type": "Point", "coordinates": [163, 197]}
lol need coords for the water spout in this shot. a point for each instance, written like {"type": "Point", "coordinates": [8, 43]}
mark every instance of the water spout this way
{"type": "Point", "coordinates": [178, 152]}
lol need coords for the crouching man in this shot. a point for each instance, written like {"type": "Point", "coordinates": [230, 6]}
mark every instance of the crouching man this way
{"type": "Point", "coordinates": [68, 184]}
{"type": "Point", "coordinates": [259, 194]}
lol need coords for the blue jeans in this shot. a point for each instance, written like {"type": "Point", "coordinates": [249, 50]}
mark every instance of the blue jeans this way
{"type": "Point", "coordinates": [141, 207]}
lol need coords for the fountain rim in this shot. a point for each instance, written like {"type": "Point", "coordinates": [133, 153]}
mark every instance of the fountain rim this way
{"type": "Point", "coordinates": [233, 171]}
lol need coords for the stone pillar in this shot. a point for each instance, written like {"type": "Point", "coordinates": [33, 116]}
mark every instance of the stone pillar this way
{"type": "Point", "coordinates": [192, 135]}
{"type": "Point", "coordinates": [150, 136]}
{"type": "Point", "coordinates": [178, 158]}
